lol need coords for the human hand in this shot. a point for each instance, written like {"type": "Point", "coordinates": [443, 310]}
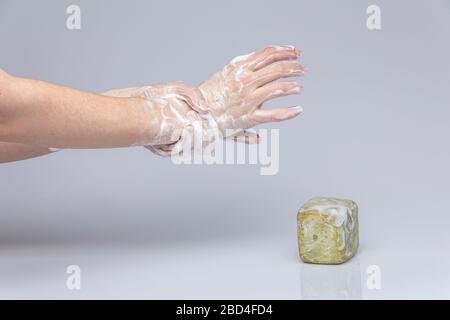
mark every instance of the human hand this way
{"type": "Point", "coordinates": [236, 93]}
{"type": "Point", "coordinates": [173, 108]}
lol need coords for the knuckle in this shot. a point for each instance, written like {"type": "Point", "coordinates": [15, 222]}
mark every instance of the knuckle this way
{"type": "Point", "coordinates": [271, 49]}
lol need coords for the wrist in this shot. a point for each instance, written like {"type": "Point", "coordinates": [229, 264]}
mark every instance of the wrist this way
{"type": "Point", "coordinates": [166, 119]}
{"type": "Point", "coordinates": [213, 101]}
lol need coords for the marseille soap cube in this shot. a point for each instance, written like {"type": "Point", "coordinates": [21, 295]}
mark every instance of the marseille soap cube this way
{"type": "Point", "coordinates": [328, 230]}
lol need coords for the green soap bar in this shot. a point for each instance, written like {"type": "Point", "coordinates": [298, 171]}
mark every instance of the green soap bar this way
{"type": "Point", "coordinates": [328, 230]}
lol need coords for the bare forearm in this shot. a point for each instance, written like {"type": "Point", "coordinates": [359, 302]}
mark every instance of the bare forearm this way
{"type": "Point", "coordinates": [10, 152]}
{"type": "Point", "coordinates": [39, 113]}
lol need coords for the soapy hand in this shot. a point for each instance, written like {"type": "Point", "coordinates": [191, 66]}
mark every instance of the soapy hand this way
{"type": "Point", "coordinates": [165, 117]}
{"type": "Point", "coordinates": [231, 99]}
{"type": "Point", "coordinates": [236, 93]}
{"type": "Point", "coordinates": [173, 108]}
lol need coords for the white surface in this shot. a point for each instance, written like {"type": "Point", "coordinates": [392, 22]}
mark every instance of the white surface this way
{"type": "Point", "coordinates": [248, 268]}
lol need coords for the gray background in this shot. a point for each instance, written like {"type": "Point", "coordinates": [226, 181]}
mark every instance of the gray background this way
{"type": "Point", "coordinates": [375, 129]}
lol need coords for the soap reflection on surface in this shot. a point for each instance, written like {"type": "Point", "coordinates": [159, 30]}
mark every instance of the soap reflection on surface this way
{"type": "Point", "coordinates": [331, 282]}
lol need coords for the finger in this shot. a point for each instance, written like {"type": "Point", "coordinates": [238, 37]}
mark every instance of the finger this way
{"type": "Point", "coordinates": [245, 136]}
{"type": "Point", "coordinates": [273, 54]}
{"type": "Point", "coordinates": [277, 71]}
{"type": "Point", "coordinates": [247, 58]}
{"type": "Point", "coordinates": [186, 142]}
{"type": "Point", "coordinates": [275, 90]}
{"type": "Point", "coordinates": [159, 150]}
{"type": "Point", "coordinates": [276, 115]}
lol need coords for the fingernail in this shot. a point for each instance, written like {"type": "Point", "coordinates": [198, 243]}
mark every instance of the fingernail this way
{"type": "Point", "coordinates": [296, 89]}
{"type": "Point", "coordinates": [300, 70]}
{"type": "Point", "coordinates": [299, 109]}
